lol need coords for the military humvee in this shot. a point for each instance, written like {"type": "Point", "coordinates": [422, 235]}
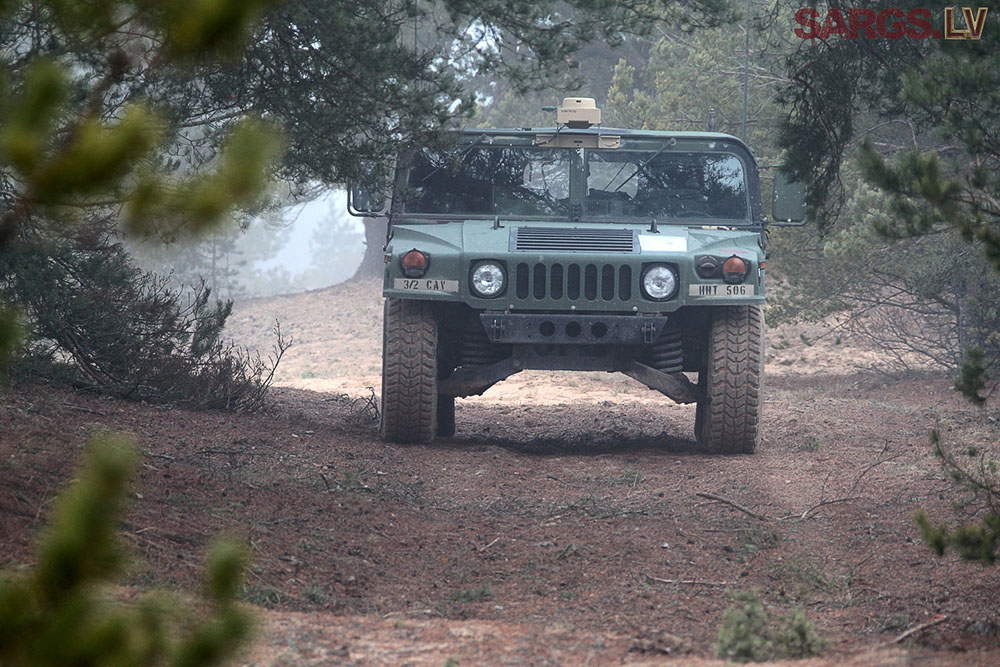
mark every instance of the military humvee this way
{"type": "Point", "coordinates": [577, 247]}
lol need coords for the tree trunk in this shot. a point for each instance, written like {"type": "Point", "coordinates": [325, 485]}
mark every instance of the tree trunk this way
{"type": "Point", "coordinates": [373, 262]}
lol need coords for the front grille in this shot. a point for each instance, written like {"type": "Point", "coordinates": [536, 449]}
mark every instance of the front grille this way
{"type": "Point", "coordinates": [545, 239]}
{"type": "Point", "coordinates": [573, 282]}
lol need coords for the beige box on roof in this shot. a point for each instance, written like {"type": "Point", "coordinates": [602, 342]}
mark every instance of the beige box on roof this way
{"type": "Point", "coordinates": [578, 112]}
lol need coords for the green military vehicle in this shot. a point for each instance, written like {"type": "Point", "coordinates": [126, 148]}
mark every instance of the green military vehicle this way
{"type": "Point", "coordinates": [582, 248]}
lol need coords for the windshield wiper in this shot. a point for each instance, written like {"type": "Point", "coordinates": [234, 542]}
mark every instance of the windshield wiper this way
{"type": "Point", "coordinates": [640, 167]}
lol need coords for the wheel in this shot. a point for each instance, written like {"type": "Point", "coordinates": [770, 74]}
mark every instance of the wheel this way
{"type": "Point", "coordinates": [409, 372]}
{"type": "Point", "coordinates": [445, 416]}
{"type": "Point", "coordinates": [728, 414]}
{"type": "Point", "coordinates": [699, 410]}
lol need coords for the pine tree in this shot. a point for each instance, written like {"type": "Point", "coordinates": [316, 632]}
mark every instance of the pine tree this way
{"type": "Point", "coordinates": [938, 170]}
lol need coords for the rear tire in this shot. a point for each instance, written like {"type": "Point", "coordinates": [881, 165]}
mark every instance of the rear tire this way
{"type": "Point", "coordinates": [409, 372]}
{"type": "Point", "coordinates": [728, 414]}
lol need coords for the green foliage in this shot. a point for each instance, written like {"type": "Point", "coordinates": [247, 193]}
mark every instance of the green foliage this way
{"type": "Point", "coordinates": [796, 637]}
{"type": "Point", "coordinates": [835, 93]}
{"type": "Point", "coordinates": [197, 205]}
{"type": "Point", "coordinates": [973, 542]}
{"type": "Point", "coordinates": [981, 478]}
{"type": "Point", "coordinates": [60, 612]}
{"type": "Point", "coordinates": [480, 594]}
{"type": "Point", "coordinates": [98, 322]}
{"type": "Point", "coordinates": [921, 300]}
{"type": "Point", "coordinates": [81, 141]}
{"type": "Point", "coordinates": [750, 632]}
{"type": "Point", "coordinates": [686, 75]}
{"type": "Point", "coordinates": [744, 635]}
{"type": "Point", "coordinates": [930, 148]}
{"type": "Point", "coordinates": [972, 376]}
{"type": "Point", "coordinates": [10, 333]}
{"type": "Point", "coordinates": [200, 28]}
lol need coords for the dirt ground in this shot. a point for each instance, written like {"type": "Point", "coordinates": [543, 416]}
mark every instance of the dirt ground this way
{"type": "Point", "coordinates": [563, 524]}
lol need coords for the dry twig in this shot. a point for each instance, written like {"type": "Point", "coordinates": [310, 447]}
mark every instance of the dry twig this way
{"type": "Point", "coordinates": [734, 505]}
{"type": "Point", "coordinates": [687, 582]}
{"type": "Point", "coordinates": [918, 628]}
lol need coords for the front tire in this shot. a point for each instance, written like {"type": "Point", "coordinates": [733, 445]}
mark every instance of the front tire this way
{"type": "Point", "coordinates": [409, 372]}
{"type": "Point", "coordinates": [729, 411]}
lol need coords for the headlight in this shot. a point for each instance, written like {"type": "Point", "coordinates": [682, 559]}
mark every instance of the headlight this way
{"type": "Point", "coordinates": [488, 279]}
{"type": "Point", "coordinates": [659, 282]}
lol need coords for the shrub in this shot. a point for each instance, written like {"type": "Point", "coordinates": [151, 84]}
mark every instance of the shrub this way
{"type": "Point", "coordinates": [59, 613]}
{"type": "Point", "coordinates": [750, 632]}
{"type": "Point", "coordinates": [980, 477]}
{"type": "Point", "coordinates": [97, 322]}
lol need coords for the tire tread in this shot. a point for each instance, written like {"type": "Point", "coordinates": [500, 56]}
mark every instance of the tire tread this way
{"type": "Point", "coordinates": [409, 372]}
{"type": "Point", "coordinates": [729, 419]}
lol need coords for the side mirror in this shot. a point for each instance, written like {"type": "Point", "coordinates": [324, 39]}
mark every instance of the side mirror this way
{"type": "Point", "coordinates": [364, 202]}
{"type": "Point", "coordinates": [788, 205]}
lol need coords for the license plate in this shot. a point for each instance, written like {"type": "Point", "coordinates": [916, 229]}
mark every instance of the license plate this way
{"type": "Point", "coordinates": [726, 291]}
{"type": "Point", "coordinates": [425, 285]}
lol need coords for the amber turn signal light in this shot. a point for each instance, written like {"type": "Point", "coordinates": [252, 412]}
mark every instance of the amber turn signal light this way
{"type": "Point", "coordinates": [734, 270]}
{"type": "Point", "coordinates": [415, 263]}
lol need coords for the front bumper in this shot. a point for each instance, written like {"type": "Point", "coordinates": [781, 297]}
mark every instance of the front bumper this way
{"type": "Point", "coordinates": [583, 329]}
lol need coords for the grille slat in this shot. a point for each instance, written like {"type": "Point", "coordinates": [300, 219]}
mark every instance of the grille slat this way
{"type": "Point", "coordinates": [590, 282]}
{"type": "Point", "coordinates": [535, 239]}
{"type": "Point", "coordinates": [573, 286]}
{"type": "Point", "coordinates": [556, 288]}
{"type": "Point", "coordinates": [625, 283]}
{"type": "Point", "coordinates": [538, 281]}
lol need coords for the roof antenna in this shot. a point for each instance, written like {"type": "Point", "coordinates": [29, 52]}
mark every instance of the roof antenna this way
{"type": "Point", "coordinates": [653, 229]}
{"type": "Point", "coordinates": [711, 120]}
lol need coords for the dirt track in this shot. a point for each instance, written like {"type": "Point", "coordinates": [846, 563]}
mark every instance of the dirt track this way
{"type": "Point", "coordinates": [563, 524]}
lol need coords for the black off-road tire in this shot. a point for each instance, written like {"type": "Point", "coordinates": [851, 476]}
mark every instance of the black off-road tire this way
{"type": "Point", "coordinates": [728, 414]}
{"type": "Point", "coordinates": [409, 372]}
{"type": "Point", "coordinates": [445, 416]}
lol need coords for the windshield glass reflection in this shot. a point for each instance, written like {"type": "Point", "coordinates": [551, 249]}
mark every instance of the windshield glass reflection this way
{"type": "Point", "coordinates": [665, 185]}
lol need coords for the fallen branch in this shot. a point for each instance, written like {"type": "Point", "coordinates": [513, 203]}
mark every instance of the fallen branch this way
{"type": "Point", "coordinates": [687, 582]}
{"type": "Point", "coordinates": [481, 549]}
{"type": "Point", "coordinates": [553, 477]}
{"type": "Point", "coordinates": [808, 512]}
{"type": "Point", "coordinates": [918, 628]}
{"type": "Point", "coordinates": [734, 505]}
{"type": "Point", "coordinates": [83, 409]}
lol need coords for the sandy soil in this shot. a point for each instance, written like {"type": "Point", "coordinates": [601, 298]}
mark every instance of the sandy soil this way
{"type": "Point", "coordinates": [562, 524]}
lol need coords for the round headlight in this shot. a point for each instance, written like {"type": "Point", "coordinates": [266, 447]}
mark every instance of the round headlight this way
{"type": "Point", "coordinates": [488, 279]}
{"type": "Point", "coordinates": [659, 282]}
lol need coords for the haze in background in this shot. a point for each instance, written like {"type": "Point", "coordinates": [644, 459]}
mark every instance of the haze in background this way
{"type": "Point", "coordinates": [292, 249]}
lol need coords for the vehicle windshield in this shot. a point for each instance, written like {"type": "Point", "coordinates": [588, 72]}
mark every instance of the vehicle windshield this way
{"type": "Point", "coordinates": [609, 184]}
{"type": "Point", "coordinates": [651, 184]}
{"type": "Point", "coordinates": [485, 180]}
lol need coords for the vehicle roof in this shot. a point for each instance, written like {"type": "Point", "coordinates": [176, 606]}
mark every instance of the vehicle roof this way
{"type": "Point", "coordinates": [614, 131]}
